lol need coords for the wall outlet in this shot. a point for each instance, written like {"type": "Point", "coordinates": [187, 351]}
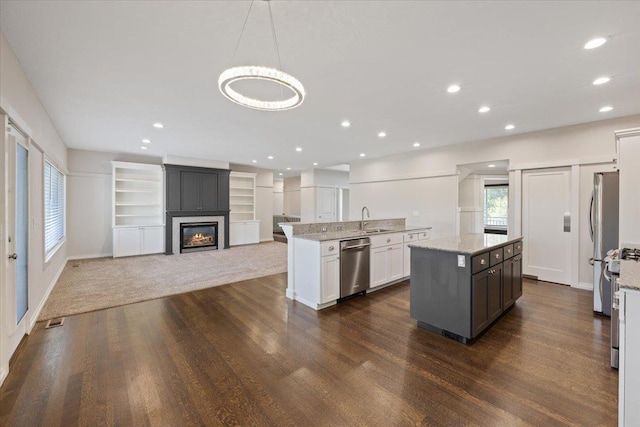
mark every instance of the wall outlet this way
{"type": "Point", "coordinates": [460, 260]}
{"type": "Point", "coordinates": [416, 213]}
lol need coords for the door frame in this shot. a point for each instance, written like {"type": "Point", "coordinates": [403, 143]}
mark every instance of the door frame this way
{"type": "Point", "coordinates": [9, 317]}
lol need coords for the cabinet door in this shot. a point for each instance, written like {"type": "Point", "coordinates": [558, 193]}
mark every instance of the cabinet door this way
{"type": "Point", "coordinates": [507, 284]}
{"type": "Point", "coordinates": [236, 233]}
{"type": "Point", "coordinates": [152, 240]}
{"type": "Point", "coordinates": [252, 232]}
{"type": "Point", "coordinates": [516, 274]}
{"type": "Point", "coordinates": [396, 265]}
{"type": "Point", "coordinates": [479, 303]}
{"type": "Point", "coordinates": [379, 265]}
{"type": "Point", "coordinates": [190, 191]}
{"type": "Point", "coordinates": [494, 292]}
{"type": "Point", "coordinates": [330, 288]}
{"type": "Point", "coordinates": [407, 260]}
{"type": "Point", "coordinates": [127, 242]}
{"type": "Point", "coordinates": [209, 195]}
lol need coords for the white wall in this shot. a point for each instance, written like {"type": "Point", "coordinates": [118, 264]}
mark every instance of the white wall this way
{"type": "Point", "coordinates": [20, 102]}
{"type": "Point", "coordinates": [423, 181]}
{"type": "Point", "coordinates": [291, 196]}
{"type": "Point", "coordinates": [89, 201]}
{"type": "Point", "coordinates": [310, 180]}
{"type": "Point", "coordinates": [278, 196]}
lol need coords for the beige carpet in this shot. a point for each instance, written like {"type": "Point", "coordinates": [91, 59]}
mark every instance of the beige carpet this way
{"type": "Point", "coordinates": [94, 284]}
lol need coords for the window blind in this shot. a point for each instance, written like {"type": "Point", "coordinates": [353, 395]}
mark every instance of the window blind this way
{"type": "Point", "coordinates": [53, 207]}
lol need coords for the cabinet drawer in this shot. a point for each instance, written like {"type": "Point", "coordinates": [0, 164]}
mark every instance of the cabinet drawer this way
{"type": "Point", "coordinates": [386, 239]}
{"type": "Point", "coordinates": [517, 247]}
{"type": "Point", "coordinates": [411, 237]}
{"type": "Point", "coordinates": [331, 247]}
{"type": "Point", "coordinates": [508, 251]}
{"type": "Point", "coordinates": [479, 262]}
{"type": "Point", "coordinates": [496, 257]}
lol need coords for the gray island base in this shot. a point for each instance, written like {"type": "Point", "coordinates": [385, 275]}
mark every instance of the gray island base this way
{"type": "Point", "coordinates": [462, 285]}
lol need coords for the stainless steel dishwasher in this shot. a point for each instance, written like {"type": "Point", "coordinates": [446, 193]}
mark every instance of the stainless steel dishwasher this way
{"type": "Point", "coordinates": [354, 266]}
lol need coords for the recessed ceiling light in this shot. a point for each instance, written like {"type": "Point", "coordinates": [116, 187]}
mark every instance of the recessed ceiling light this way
{"type": "Point", "coordinates": [601, 80]}
{"type": "Point", "coordinates": [416, 144]}
{"type": "Point", "coordinates": [484, 109]}
{"type": "Point", "coordinates": [345, 124]}
{"type": "Point", "coordinates": [288, 169]}
{"type": "Point", "coordinates": [491, 166]}
{"type": "Point", "coordinates": [298, 149]}
{"type": "Point", "coordinates": [592, 44]}
{"type": "Point", "coordinates": [362, 154]}
{"type": "Point", "coordinates": [453, 88]}
{"type": "Point", "coordinates": [606, 109]}
{"type": "Point", "coordinates": [509, 127]}
{"type": "Point", "coordinates": [280, 174]}
{"type": "Point", "coordinates": [382, 134]}
{"type": "Point", "coordinates": [270, 157]}
{"type": "Point", "coordinates": [254, 161]}
{"type": "Point", "coordinates": [158, 125]}
{"type": "Point", "coordinates": [315, 163]}
{"type": "Point", "coordinates": [143, 147]}
{"type": "Point", "coordinates": [146, 141]}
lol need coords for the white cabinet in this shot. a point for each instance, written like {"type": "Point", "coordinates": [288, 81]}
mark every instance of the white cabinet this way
{"type": "Point", "coordinates": [629, 365]}
{"type": "Point", "coordinates": [137, 209]}
{"type": "Point", "coordinates": [316, 272]}
{"type": "Point", "coordinates": [129, 241]}
{"type": "Point", "coordinates": [386, 259]}
{"type": "Point", "coordinates": [330, 288]}
{"type": "Point", "coordinates": [410, 238]}
{"type": "Point", "coordinates": [244, 232]}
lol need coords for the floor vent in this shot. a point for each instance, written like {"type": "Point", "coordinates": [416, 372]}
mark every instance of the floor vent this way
{"type": "Point", "coordinates": [54, 322]}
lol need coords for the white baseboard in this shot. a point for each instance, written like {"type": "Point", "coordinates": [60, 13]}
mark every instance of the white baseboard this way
{"type": "Point", "coordinates": [91, 256]}
{"type": "Point", "coordinates": [36, 312]}
{"type": "Point", "coordinates": [266, 240]}
{"type": "Point", "coordinates": [3, 376]}
{"type": "Point", "coordinates": [583, 285]}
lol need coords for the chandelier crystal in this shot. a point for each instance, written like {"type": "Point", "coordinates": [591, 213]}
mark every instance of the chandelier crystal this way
{"type": "Point", "coordinates": [256, 72]}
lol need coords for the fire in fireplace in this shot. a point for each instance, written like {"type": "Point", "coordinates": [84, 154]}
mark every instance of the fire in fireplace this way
{"type": "Point", "coordinates": [198, 236]}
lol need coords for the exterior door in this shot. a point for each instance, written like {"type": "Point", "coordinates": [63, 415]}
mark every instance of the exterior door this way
{"type": "Point", "coordinates": [326, 204]}
{"type": "Point", "coordinates": [18, 239]}
{"type": "Point", "coordinates": [546, 224]}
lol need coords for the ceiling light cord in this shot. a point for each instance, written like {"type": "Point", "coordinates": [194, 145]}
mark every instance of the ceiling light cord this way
{"type": "Point", "coordinates": [275, 45]}
{"type": "Point", "coordinates": [246, 18]}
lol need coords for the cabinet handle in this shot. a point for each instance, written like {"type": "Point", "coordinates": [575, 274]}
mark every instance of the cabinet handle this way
{"type": "Point", "coordinates": [330, 248]}
{"type": "Point", "coordinates": [483, 262]}
{"type": "Point", "coordinates": [508, 251]}
{"type": "Point", "coordinates": [518, 247]}
{"type": "Point", "coordinates": [388, 240]}
{"type": "Point", "coordinates": [497, 256]}
{"type": "Point", "coordinates": [389, 249]}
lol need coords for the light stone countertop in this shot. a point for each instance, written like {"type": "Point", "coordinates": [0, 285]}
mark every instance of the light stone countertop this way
{"type": "Point", "coordinates": [629, 274]}
{"type": "Point", "coordinates": [354, 234]}
{"type": "Point", "coordinates": [466, 243]}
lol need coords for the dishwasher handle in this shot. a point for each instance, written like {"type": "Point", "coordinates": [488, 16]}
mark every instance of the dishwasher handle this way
{"type": "Point", "coordinates": [346, 248]}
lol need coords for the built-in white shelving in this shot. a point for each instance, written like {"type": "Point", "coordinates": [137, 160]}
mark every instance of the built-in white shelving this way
{"type": "Point", "coordinates": [138, 214]}
{"type": "Point", "coordinates": [244, 228]}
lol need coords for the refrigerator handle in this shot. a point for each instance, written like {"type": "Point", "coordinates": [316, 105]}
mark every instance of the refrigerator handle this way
{"type": "Point", "coordinates": [591, 217]}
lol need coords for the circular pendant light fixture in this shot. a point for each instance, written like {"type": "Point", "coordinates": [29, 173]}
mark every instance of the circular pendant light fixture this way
{"type": "Point", "coordinates": [261, 73]}
{"type": "Point", "coordinates": [256, 72]}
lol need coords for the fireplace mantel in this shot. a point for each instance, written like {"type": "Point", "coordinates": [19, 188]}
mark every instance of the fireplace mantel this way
{"type": "Point", "coordinates": [196, 192]}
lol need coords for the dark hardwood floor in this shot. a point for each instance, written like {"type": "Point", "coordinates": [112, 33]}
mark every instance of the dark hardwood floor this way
{"type": "Point", "coordinates": [243, 354]}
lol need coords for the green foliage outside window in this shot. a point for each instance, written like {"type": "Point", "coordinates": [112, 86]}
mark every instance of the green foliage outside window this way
{"type": "Point", "coordinates": [496, 205]}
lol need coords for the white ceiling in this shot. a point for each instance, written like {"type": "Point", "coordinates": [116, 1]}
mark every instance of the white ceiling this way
{"type": "Point", "coordinates": [107, 70]}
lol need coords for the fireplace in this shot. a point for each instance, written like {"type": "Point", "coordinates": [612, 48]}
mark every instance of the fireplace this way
{"type": "Point", "coordinates": [198, 236]}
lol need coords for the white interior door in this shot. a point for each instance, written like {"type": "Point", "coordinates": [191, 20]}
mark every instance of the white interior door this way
{"type": "Point", "coordinates": [18, 240]}
{"type": "Point", "coordinates": [546, 202]}
{"type": "Point", "coordinates": [326, 204]}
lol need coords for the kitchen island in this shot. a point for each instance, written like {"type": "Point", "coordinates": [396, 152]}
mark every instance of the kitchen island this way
{"type": "Point", "coordinates": [461, 285]}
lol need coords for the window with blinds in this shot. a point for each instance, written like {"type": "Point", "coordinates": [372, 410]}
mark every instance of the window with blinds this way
{"type": "Point", "coordinates": [53, 207]}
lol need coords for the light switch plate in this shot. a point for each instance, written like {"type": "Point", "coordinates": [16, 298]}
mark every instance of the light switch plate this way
{"type": "Point", "coordinates": [416, 213]}
{"type": "Point", "coordinates": [460, 260]}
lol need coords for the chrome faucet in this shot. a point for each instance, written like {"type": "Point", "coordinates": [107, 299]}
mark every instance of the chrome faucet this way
{"type": "Point", "coordinates": [362, 223]}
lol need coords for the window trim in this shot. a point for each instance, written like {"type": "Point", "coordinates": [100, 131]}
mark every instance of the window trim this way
{"type": "Point", "coordinates": [48, 255]}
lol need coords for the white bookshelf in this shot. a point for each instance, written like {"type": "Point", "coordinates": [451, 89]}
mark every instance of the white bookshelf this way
{"type": "Point", "coordinates": [138, 211]}
{"type": "Point", "coordinates": [244, 228]}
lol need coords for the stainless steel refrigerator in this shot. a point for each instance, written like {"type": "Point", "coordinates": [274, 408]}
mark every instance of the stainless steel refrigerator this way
{"type": "Point", "coordinates": [603, 222]}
